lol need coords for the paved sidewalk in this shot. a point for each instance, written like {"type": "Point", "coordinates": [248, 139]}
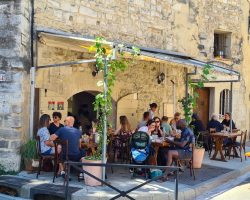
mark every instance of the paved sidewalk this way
{"type": "Point", "coordinates": [213, 174]}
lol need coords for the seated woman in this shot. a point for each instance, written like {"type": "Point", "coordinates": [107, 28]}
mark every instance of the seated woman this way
{"type": "Point", "coordinates": [123, 134]}
{"type": "Point", "coordinates": [166, 128]}
{"type": "Point", "coordinates": [197, 124]}
{"type": "Point", "coordinates": [47, 146]}
{"type": "Point", "coordinates": [55, 125]}
{"type": "Point", "coordinates": [157, 131]}
{"type": "Point", "coordinates": [226, 122]}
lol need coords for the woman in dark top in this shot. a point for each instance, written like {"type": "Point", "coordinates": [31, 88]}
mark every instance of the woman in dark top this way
{"type": "Point", "coordinates": [197, 124]}
{"type": "Point", "coordinates": [55, 125]}
{"type": "Point", "coordinates": [226, 121]}
{"type": "Point", "coordinates": [214, 123]}
{"type": "Point", "coordinates": [157, 130]}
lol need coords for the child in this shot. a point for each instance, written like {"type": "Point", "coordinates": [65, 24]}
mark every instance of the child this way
{"type": "Point", "coordinates": [167, 130]}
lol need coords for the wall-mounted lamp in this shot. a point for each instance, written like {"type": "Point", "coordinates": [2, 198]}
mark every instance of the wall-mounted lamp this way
{"type": "Point", "coordinates": [45, 92]}
{"type": "Point", "coordinates": [160, 78]}
{"type": "Point", "coordinates": [95, 72]}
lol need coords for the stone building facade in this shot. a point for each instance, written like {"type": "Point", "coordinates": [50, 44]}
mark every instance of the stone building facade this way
{"type": "Point", "coordinates": [191, 27]}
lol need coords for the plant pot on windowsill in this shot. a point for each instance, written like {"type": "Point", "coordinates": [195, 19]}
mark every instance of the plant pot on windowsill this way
{"type": "Point", "coordinates": [94, 170]}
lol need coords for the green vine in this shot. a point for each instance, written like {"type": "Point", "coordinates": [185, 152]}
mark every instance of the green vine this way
{"type": "Point", "coordinates": [189, 102]}
{"type": "Point", "coordinates": [103, 105]}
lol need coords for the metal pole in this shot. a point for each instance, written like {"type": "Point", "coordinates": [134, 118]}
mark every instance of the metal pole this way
{"type": "Point", "coordinates": [176, 184]}
{"type": "Point", "coordinates": [231, 106]}
{"type": "Point", "coordinates": [32, 100]}
{"type": "Point", "coordinates": [104, 142]}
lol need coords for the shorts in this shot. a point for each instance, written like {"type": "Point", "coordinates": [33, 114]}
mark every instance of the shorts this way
{"type": "Point", "coordinates": [49, 152]}
{"type": "Point", "coordinates": [184, 154]}
{"type": "Point", "coordinates": [75, 157]}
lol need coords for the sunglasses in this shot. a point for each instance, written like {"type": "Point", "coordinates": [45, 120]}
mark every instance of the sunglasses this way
{"type": "Point", "coordinates": [157, 121]}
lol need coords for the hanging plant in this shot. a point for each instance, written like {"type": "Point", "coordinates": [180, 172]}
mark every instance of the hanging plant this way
{"type": "Point", "coordinates": [109, 66]}
{"type": "Point", "coordinates": [189, 102]}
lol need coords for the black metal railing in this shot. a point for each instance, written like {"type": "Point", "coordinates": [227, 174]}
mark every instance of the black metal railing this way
{"type": "Point", "coordinates": [78, 166]}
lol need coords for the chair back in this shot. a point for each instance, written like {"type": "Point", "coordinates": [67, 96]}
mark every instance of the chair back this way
{"type": "Point", "coordinates": [243, 138]}
{"type": "Point", "coordinates": [139, 140]}
{"type": "Point", "coordinates": [38, 145]}
{"type": "Point", "coordinates": [65, 147]}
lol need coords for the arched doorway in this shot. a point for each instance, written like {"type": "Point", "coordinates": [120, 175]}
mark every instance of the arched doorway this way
{"type": "Point", "coordinates": [81, 106]}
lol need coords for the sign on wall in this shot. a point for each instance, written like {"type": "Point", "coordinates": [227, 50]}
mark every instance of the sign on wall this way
{"type": "Point", "coordinates": [60, 105]}
{"type": "Point", "coordinates": [51, 105]}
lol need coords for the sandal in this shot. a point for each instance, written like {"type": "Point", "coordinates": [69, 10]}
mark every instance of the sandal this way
{"type": "Point", "coordinates": [80, 177]}
{"type": "Point", "coordinates": [163, 179]}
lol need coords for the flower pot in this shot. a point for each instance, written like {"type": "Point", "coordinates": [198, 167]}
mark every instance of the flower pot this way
{"type": "Point", "coordinates": [198, 155]}
{"type": "Point", "coordinates": [95, 170]}
{"type": "Point", "coordinates": [28, 164]}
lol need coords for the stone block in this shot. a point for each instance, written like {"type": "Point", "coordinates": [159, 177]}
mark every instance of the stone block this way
{"type": "Point", "coordinates": [15, 144]}
{"type": "Point", "coordinates": [16, 122]}
{"type": "Point", "coordinates": [87, 11]}
{"type": "Point", "coordinates": [10, 160]}
{"type": "Point", "coordinates": [4, 144]}
{"type": "Point", "coordinates": [16, 108]}
{"type": "Point", "coordinates": [9, 134]}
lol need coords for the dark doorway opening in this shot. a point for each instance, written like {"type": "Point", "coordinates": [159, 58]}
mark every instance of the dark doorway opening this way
{"type": "Point", "coordinates": [81, 106]}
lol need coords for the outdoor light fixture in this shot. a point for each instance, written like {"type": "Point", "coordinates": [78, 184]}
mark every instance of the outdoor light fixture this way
{"type": "Point", "coordinates": [160, 78]}
{"type": "Point", "coordinates": [95, 72]}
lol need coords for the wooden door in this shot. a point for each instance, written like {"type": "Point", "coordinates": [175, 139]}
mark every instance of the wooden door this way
{"type": "Point", "coordinates": [202, 106]}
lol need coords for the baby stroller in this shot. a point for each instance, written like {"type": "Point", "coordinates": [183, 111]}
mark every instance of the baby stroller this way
{"type": "Point", "coordinates": [139, 153]}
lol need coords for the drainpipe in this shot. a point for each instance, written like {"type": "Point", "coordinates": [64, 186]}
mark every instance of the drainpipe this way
{"type": "Point", "coordinates": [174, 98]}
{"type": "Point", "coordinates": [187, 76]}
{"type": "Point", "coordinates": [32, 72]}
{"type": "Point", "coordinates": [231, 106]}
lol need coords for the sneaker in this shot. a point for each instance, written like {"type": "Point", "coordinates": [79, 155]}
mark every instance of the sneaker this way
{"type": "Point", "coordinates": [63, 174]}
{"type": "Point", "coordinates": [81, 176]}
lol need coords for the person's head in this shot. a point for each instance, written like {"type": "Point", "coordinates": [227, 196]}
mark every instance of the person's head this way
{"type": "Point", "coordinates": [227, 116]}
{"type": "Point", "coordinates": [146, 116]}
{"type": "Point", "coordinates": [57, 116]}
{"type": "Point", "coordinates": [157, 122]}
{"type": "Point", "coordinates": [195, 117]}
{"type": "Point", "coordinates": [69, 121]}
{"type": "Point", "coordinates": [151, 125]}
{"type": "Point", "coordinates": [125, 126]}
{"type": "Point", "coordinates": [153, 106]}
{"type": "Point", "coordinates": [44, 121]}
{"type": "Point", "coordinates": [164, 119]}
{"type": "Point", "coordinates": [214, 117]}
{"type": "Point", "coordinates": [182, 124]}
{"type": "Point", "coordinates": [177, 116]}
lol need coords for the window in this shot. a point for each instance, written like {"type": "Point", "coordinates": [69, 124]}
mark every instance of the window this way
{"type": "Point", "coordinates": [225, 101]}
{"type": "Point", "coordinates": [222, 45]}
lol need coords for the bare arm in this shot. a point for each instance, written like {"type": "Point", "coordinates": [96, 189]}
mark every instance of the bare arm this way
{"type": "Point", "coordinates": [53, 137]}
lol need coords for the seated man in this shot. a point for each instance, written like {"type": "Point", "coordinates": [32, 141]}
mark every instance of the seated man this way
{"type": "Point", "coordinates": [182, 149]}
{"type": "Point", "coordinates": [73, 136]}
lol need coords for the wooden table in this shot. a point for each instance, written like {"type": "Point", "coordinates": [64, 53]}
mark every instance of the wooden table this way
{"type": "Point", "coordinates": [219, 138]}
{"type": "Point", "coordinates": [156, 145]}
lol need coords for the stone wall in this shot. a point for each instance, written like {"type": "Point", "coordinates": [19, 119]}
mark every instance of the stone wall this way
{"type": "Point", "coordinates": [186, 26]}
{"type": "Point", "coordinates": [14, 84]}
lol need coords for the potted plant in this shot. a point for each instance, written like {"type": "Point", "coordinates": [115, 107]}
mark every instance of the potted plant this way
{"type": "Point", "coordinates": [29, 154]}
{"type": "Point", "coordinates": [198, 153]}
{"type": "Point", "coordinates": [105, 63]}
